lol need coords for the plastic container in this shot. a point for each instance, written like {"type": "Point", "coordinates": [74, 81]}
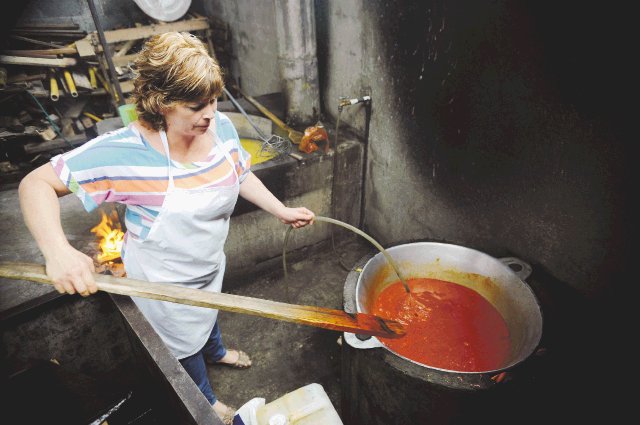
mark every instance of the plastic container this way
{"type": "Point", "coordinates": [308, 405]}
{"type": "Point", "coordinates": [127, 113]}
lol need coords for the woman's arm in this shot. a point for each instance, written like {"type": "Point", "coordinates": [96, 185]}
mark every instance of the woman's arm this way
{"type": "Point", "coordinates": [253, 190]}
{"type": "Point", "coordinates": [69, 269]}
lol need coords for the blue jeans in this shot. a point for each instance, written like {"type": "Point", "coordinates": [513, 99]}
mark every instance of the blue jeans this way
{"type": "Point", "coordinates": [196, 364]}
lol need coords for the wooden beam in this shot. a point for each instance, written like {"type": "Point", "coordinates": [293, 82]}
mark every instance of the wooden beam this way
{"type": "Point", "coordinates": [147, 31]}
{"type": "Point", "coordinates": [20, 60]}
{"type": "Point", "coordinates": [38, 42]}
{"type": "Point", "coordinates": [124, 60]}
{"type": "Point", "coordinates": [84, 47]}
{"type": "Point", "coordinates": [39, 52]}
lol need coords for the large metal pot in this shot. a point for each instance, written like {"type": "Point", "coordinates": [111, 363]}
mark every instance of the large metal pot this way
{"type": "Point", "coordinates": [380, 387]}
{"type": "Point", "coordinates": [501, 282]}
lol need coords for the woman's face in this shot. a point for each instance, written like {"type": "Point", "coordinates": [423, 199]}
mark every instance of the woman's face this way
{"type": "Point", "coordinates": [192, 118]}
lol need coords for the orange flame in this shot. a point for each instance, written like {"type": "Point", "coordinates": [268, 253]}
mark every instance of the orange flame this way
{"type": "Point", "coordinates": [110, 237]}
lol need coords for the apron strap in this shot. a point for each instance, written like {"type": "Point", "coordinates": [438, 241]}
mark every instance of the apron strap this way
{"type": "Point", "coordinates": [165, 145]}
{"type": "Point", "coordinates": [218, 142]}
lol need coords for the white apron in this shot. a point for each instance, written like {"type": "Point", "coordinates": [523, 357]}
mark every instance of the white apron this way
{"type": "Point", "coordinates": [184, 246]}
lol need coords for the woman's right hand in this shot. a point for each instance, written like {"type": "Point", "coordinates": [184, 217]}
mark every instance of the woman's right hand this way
{"type": "Point", "coordinates": [71, 271]}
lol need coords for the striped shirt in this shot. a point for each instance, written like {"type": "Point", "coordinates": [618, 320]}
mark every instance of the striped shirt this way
{"type": "Point", "coordinates": [121, 166]}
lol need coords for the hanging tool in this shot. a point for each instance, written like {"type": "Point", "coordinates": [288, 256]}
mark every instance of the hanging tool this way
{"type": "Point", "coordinates": [273, 144]}
{"type": "Point", "coordinates": [92, 77]}
{"type": "Point", "coordinates": [294, 135]}
{"type": "Point", "coordinates": [70, 83]}
{"type": "Point", "coordinates": [244, 113]}
{"type": "Point", "coordinates": [93, 117]}
{"type": "Point", "coordinates": [104, 83]}
{"type": "Point", "coordinates": [337, 320]}
{"type": "Point", "coordinates": [54, 93]}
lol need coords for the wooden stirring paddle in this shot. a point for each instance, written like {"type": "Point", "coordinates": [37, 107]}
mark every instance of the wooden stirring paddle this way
{"type": "Point", "coordinates": [337, 320]}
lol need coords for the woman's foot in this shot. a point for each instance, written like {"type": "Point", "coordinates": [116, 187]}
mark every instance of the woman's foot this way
{"type": "Point", "coordinates": [235, 358]}
{"type": "Point", "coordinates": [224, 412]}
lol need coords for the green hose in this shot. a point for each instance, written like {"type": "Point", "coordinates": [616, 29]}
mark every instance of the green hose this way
{"type": "Point", "coordinates": [353, 229]}
{"type": "Point", "coordinates": [53, 125]}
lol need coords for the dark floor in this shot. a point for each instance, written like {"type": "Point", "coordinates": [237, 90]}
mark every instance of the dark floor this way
{"type": "Point", "coordinates": [287, 356]}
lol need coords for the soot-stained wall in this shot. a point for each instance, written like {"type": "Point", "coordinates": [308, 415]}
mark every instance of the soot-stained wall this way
{"type": "Point", "coordinates": [498, 125]}
{"type": "Point", "coordinates": [112, 14]}
{"type": "Point", "coordinates": [253, 32]}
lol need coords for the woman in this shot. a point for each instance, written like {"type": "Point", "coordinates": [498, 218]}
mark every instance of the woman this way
{"type": "Point", "coordinates": [179, 169]}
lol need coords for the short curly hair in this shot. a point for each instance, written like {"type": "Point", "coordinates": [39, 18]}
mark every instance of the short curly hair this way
{"type": "Point", "coordinates": [171, 68]}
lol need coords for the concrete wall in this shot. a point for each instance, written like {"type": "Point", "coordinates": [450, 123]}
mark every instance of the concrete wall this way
{"type": "Point", "coordinates": [495, 125]}
{"type": "Point", "coordinates": [252, 26]}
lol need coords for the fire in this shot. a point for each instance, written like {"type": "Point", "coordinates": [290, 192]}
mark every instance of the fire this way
{"type": "Point", "coordinates": [110, 237]}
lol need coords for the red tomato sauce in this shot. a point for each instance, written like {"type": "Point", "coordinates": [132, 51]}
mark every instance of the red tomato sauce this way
{"type": "Point", "coordinates": [449, 326]}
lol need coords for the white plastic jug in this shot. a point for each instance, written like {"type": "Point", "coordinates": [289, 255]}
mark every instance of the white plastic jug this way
{"type": "Point", "coordinates": [308, 405]}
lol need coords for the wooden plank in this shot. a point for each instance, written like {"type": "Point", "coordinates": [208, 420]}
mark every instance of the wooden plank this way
{"type": "Point", "coordinates": [126, 86]}
{"type": "Point", "coordinates": [39, 52]}
{"type": "Point", "coordinates": [147, 31]}
{"type": "Point", "coordinates": [20, 60]}
{"type": "Point", "coordinates": [19, 78]}
{"type": "Point", "coordinates": [84, 48]}
{"type": "Point", "coordinates": [337, 320]}
{"type": "Point", "coordinates": [38, 42]}
{"type": "Point", "coordinates": [124, 60]}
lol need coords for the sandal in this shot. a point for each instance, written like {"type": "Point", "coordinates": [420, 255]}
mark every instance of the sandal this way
{"type": "Point", "coordinates": [227, 419]}
{"type": "Point", "coordinates": [243, 361]}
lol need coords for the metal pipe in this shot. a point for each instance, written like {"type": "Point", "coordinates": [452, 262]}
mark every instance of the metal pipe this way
{"type": "Point", "coordinates": [348, 102]}
{"type": "Point", "coordinates": [366, 100]}
{"type": "Point", "coordinates": [297, 58]}
{"type": "Point", "coordinates": [244, 113]}
{"type": "Point", "coordinates": [107, 53]}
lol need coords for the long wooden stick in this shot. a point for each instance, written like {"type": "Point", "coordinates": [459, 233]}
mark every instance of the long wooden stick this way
{"type": "Point", "coordinates": [337, 320]}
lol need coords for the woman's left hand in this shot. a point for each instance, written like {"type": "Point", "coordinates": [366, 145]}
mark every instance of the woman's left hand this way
{"type": "Point", "coordinates": [296, 217]}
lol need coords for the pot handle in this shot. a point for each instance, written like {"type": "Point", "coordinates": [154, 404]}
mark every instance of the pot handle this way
{"type": "Point", "coordinates": [519, 267]}
{"type": "Point", "coordinates": [356, 342]}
